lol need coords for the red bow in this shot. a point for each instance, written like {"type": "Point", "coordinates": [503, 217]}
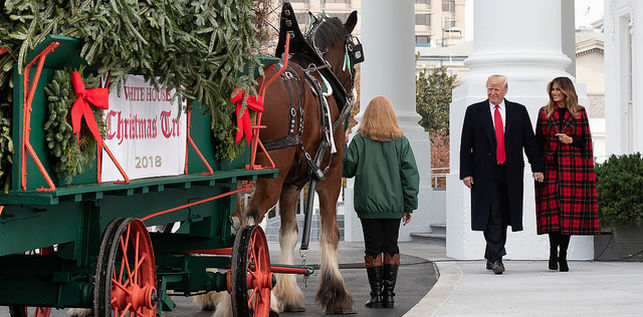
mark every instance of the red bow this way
{"type": "Point", "coordinates": [99, 97]}
{"type": "Point", "coordinates": [243, 117]}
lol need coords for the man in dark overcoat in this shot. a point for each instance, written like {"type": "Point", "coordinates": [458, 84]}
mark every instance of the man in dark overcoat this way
{"type": "Point", "coordinates": [494, 134]}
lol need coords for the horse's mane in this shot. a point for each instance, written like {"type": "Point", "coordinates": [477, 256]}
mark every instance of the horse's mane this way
{"type": "Point", "coordinates": [329, 33]}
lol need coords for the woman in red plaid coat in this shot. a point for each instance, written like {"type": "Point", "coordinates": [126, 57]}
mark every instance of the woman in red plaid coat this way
{"type": "Point", "coordinates": [566, 200]}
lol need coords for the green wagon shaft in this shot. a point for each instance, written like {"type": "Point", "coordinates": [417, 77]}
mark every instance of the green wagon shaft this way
{"type": "Point", "coordinates": [82, 220]}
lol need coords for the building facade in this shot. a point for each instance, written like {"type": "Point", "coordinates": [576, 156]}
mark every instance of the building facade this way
{"type": "Point", "coordinates": [437, 22]}
{"type": "Point", "coordinates": [624, 76]}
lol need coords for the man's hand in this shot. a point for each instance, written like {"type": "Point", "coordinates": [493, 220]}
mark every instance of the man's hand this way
{"type": "Point", "coordinates": [406, 218]}
{"type": "Point", "coordinates": [468, 181]}
{"type": "Point", "coordinates": [539, 177]}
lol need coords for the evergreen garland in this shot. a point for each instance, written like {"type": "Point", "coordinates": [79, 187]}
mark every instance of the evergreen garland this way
{"type": "Point", "coordinates": [198, 47]}
{"type": "Point", "coordinates": [6, 143]}
{"type": "Point", "coordinates": [69, 159]}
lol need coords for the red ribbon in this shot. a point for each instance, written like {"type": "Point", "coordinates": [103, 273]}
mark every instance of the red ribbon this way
{"type": "Point", "coordinates": [99, 97]}
{"type": "Point", "coordinates": [243, 117]}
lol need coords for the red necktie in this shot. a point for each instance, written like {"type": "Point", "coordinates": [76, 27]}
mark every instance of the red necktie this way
{"type": "Point", "coordinates": [500, 136]}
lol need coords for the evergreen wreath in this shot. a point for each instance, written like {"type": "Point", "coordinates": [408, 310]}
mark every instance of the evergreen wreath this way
{"type": "Point", "coordinates": [70, 159]}
{"type": "Point", "coordinates": [200, 48]}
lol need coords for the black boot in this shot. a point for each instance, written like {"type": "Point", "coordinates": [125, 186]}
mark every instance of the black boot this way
{"type": "Point", "coordinates": [391, 266]}
{"type": "Point", "coordinates": [562, 256]}
{"type": "Point", "coordinates": [554, 242]}
{"type": "Point", "coordinates": [374, 272]}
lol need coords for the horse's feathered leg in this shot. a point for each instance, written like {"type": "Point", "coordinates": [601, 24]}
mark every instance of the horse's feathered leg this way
{"type": "Point", "coordinates": [287, 292]}
{"type": "Point", "coordinates": [332, 293]}
{"type": "Point", "coordinates": [266, 193]}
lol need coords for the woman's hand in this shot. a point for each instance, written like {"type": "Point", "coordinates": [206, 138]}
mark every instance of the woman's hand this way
{"type": "Point", "coordinates": [564, 138]}
{"type": "Point", "coordinates": [406, 218]}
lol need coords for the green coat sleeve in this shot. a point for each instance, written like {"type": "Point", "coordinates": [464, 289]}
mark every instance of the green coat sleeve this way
{"type": "Point", "coordinates": [410, 177]}
{"type": "Point", "coordinates": [351, 158]}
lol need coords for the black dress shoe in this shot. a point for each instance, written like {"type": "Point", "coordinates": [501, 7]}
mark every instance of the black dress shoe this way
{"type": "Point", "coordinates": [553, 263]}
{"type": "Point", "coordinates": [564, 267]}
{"type": "Point", "coordinates": [496, 266]}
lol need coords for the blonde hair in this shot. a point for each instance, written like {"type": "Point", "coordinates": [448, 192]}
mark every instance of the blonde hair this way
{"type": "Point", "coordinates": [498, 79]}
{"type": "Point", "coordinates": [379, 122]}
{"type": "Point", "coordinates": [571, 99]}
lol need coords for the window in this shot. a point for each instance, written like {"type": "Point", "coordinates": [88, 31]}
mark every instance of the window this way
{"type": "Point", "coordinates": [337, 1]}
{"type": "Point", "coordinates": [427, 2]}
{"type": "Point", "coordinates": [299, 1]}
{"type": "Point", "coordinates": [422, 40]}
{"type": "Point", "coordinates": [342, 16]}
{"type": "Point", "coordinates": [422, 19]}
{"type": "Point", "coordinates": [302, 18]}
{"type": "Point", "coordinates": [448, 5]}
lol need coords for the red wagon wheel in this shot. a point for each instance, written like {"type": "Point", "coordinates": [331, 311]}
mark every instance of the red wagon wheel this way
{"type": "Point", "coordinates": [250, 279]}
{"type": "Point", "coordinates": [125, 277]}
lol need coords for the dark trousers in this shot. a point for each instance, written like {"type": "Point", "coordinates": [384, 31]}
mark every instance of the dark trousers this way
{"type": "Point", "coordinates": [496, 232]}
{"type": "Point", "coordinates": [380, 236]}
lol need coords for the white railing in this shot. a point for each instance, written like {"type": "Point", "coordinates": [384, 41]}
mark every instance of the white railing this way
{"type": "Point", "coordinates": [439, 177]}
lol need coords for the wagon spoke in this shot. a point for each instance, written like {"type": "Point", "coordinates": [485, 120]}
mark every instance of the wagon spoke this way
{"type": "Point", "coordinates": [120, 275]}
{"type": "Point", "coordinates": [121, 286]}
{"type": "Point", "coordinates": [136, 263]}
{"type": "Point", "coordinates": [137, 267]}
{"type": "Point", "coordinates": [255, 305]}
{"type": "Point", "coordinates": [252, 295]}
{"type": "Point", "coordinates": [127, 308]}
{"type": "Point", "coordinates": [124, 257]}
{"type": "Point", "coordinates": [263, 298]}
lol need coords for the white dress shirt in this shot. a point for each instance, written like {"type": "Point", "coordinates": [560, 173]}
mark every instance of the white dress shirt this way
{"type": "Point", "coordinates": [502, 110]}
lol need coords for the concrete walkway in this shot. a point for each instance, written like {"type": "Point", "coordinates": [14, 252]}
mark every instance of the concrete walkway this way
{"type": "Point", "coordinates": [528, 288]}
{"type": "Point", "coordinates": [466, 288]}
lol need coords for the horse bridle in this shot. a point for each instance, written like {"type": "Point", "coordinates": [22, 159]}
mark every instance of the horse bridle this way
{"type": "Point", "coordinates": [354, 53]}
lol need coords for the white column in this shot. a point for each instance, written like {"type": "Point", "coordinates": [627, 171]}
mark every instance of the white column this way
{"type": "Point", "coordinates": [522, 40]}
{"type": "Point", "coordinates": [623, 76]}
{"type": "Point", "coordinates": [389, 70]}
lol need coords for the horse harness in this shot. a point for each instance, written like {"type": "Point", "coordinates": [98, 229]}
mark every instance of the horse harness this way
{"type": "Point", "coordinates": [295, 86]}
{"type": "Point", "coordinates": [307, 47]}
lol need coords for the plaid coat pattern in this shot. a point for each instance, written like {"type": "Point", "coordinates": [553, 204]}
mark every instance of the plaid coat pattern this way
{"type": "Point", "coordinates": [566, 200]}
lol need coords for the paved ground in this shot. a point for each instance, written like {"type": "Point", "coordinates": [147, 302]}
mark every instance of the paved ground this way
{"type": "Point", "coordinates": [527, 288]}
{"type": "Point", "coordinates": [466, 288]}
{"type": "Point", "coordinates": [416, 277]}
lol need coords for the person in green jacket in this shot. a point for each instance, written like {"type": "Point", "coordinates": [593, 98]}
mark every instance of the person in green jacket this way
{"type": "Point", "coordinates": [386, 189]}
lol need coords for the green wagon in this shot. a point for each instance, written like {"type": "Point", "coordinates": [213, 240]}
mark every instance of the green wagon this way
{"type": "Point", "coordinates": [88, 244]}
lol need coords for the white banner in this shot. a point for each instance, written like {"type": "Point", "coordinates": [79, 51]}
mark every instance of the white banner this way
{"type": "Point", "coordinates": [143, 132]}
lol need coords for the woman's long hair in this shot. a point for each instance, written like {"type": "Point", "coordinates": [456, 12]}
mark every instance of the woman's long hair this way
{"type": "Point", "coordinates": [379, 122]}
{"type": "Point", "coordinates": [571, 99]}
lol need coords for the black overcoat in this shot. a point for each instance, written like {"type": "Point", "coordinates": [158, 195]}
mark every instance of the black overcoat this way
{"type": "Point", "coordinates": [478, 157]}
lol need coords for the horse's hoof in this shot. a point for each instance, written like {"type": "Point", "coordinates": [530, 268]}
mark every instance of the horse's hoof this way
{"type": "Point", "coordinates": [342, 311]}
{"type": "Point", "coordinates": [208, 308]}
{"type": "Point", "coordinates": [293, 309]}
